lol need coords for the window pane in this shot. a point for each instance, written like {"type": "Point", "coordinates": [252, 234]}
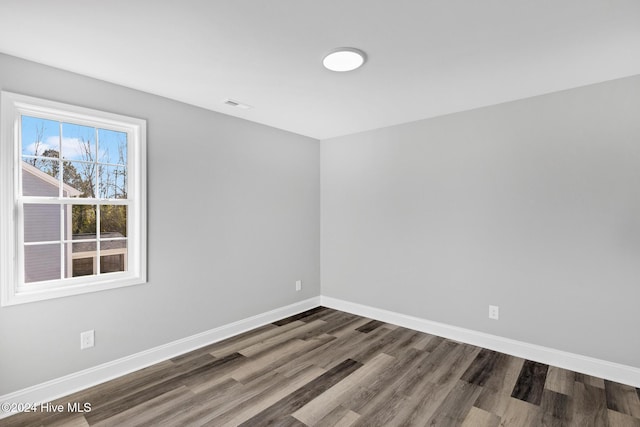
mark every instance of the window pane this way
{"type": "Point", "coordinates": [83, 267]}
{"type": "Point", "coordinates": [40, 177]}
{"type": "Point", "coordinates": [113, 182]}
{"type": "Point", "coordinates": [40, 137]}
{"type": "Point", "coordinates": [83, 222]}
{"type": "Point", "coordinates": [79, 179]}
{"type": "Point", "coordinates": [84, 258]}
{"type": "Point", "coordinates": [41, 262]}
{"type": "Point", "coordinates": [113, 221]}
{"type": "Point", "coordinates": [112, 147]}
{"type": "Point", "coordinates": [41, 223]}
{"type": "Point", "coordinates": [113, 256]}
{"type": "Point", "coordinates": [78, 142]}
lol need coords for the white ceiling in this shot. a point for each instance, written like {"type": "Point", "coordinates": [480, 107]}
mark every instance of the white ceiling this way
{"type": "Point", "coordinates": [425, 57]}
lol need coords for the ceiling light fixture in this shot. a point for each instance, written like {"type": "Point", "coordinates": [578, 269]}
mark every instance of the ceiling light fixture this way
{"type": "Point", "coordinates": [344, 59]}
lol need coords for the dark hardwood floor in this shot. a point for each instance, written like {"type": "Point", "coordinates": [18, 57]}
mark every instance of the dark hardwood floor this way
{"type": "Point", "coordinates": [329, 368]}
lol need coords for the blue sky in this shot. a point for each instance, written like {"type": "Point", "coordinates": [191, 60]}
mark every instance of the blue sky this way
{"type": "Point", "coordinates": [71, 142]}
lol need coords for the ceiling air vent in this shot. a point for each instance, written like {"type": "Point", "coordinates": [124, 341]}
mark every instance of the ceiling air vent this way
{"type": "Point", "coordinates": [237, 104]}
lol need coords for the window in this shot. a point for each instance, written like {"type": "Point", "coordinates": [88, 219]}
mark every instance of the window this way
{"type": "Point", "coordinates": [72, 200]}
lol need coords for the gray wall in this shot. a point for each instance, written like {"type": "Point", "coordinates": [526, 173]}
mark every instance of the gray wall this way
{"type": "Point", "coordinates": [233, 222]}
{"type": "Point", "coordinates": [532, 205]}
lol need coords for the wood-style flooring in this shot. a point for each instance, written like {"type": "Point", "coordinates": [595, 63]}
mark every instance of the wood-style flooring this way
{"type": "Point", "coordinates": [329, 368]}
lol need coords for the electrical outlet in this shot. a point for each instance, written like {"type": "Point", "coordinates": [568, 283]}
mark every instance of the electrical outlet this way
{"type": "Point", "coordinates": [298, 285]}
{"type": "Point", "coordinates": [494, 312]}
{"type": "Point", "coordinates": [87, 339]}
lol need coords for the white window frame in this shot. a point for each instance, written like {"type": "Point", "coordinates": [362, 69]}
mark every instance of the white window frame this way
{"type": "Point", "coordinates": [12, 289]}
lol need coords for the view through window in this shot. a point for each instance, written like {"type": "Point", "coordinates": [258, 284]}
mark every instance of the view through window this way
{"type": "Point", "coordinates": [65, 239]}
{"type": "Point", "coordinates": [74, 179]}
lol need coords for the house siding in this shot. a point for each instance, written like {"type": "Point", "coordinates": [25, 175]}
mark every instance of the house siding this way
{"type": "Point", "coordinates": [35, 186]}
{"type": "Point", "coordinates": [42, 224]}
{"type": "Point", "coordinates": [42, 262]}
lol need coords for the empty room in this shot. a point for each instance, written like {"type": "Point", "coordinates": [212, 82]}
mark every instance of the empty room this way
{"type": "Point", "coordinates": [320, 213]}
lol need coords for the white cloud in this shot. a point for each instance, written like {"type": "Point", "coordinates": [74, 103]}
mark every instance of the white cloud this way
{"type": "Point", "coordinates": [31, 148]}
{"type": "Point", "coordinates": [72, 148]}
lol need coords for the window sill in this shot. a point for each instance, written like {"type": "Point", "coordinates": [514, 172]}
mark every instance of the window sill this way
{"type": "Point", "coordinates": [44, 292]}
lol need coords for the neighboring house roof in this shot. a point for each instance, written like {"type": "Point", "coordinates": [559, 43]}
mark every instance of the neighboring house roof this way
{"type": "Point", "coordinates": [104, 245]}
{"type": "Point", "coordinates": [72, 192]}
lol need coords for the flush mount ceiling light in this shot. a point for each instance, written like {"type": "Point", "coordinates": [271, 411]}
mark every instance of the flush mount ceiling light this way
{"type": "Point", "coordinates": [344, 59]}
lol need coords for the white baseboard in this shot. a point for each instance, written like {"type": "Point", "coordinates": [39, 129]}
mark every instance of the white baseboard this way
{"type": "Point", "coordinates": [574, 362]}
{"type": "Point", "coordinates": [59, 387]}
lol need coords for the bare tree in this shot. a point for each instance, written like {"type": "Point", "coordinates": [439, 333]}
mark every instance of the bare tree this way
{"type": "Point", "coordinates": [36, 143]}
{"type": "Point", "coordinates": [113, 179]}
{"type": "Point", "coordinates": [87, 169]}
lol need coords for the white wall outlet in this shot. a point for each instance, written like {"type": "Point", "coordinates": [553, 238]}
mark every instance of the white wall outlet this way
{"type": "Point", "coordinates": [494, 312]}
{"type": "Point", "coordinates": [87, 339]}
{"type": "Point", "coordinates": [298, 285]}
